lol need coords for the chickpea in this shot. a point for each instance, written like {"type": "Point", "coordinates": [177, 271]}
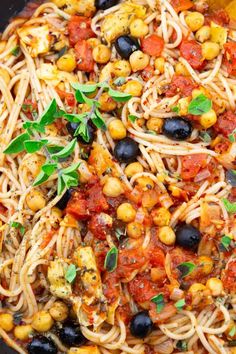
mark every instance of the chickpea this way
{"type": "Point", "coordinates": [194, 20]}
{"type": "Point", "coordinates": [210, 50]}
{"type": "Point", "coordinates": [133, 87]}
{"type": "Point", "coordinates": [35, 200]}
{"type": "Point", "coordinates": [203, 34]}
{"type": "Point", "coordinates": [138, 60]}
{"type": "Point", "coordinates": [121, 68]}
{"type": "Point", "coordinates": [196, 287]}
{"type": "Point", "coordinates": [33, 163]}
{"type": "Point", "coordinates": [107, 103]}
{"type": "Point", "coordinates": [56, 216]}
{"type": "Point", "coordinates": [93, 42]}
{"type": "Point", "coordinates": [126, 212]}
{"type": "Point", "coordinates": [133, 168]}
{"type": "Point", "coordinates": [206, 264]}
{"type": "Point", "coordinates": [4, 74]}
{"type": "Point", "coordinates": [59, 311]}
{"type": "Point", "coordinates": [2, 46]}
{"type": "Point", "coordinates": [159, 64]}
{"type": "Point", "coordinates": [6, 322]}
{"type": "Point", "coordinates": [23, 332]}
{"type": "Point", "coordinates": [42, 321]}
{"type": "Point", "coordinates": [101, 54]}
{"type": "Point", "coordinates": [161, 216]}
{"type": "Point", "coordinates": [67, 63]}
{"type": "Point", "coordinates": [138, 28]}
{"type": "Point", "coordinates": [134, 229]}
{"type": "Point", "coordinates": [215, 285]}
{"type": "Point", "coordinates": [199, 91]}
{"type": "Point", "coordinates": [167, 235]}
{"type": "Point", "coordinates": [16, 89]}
{"type": "Point", "coordinates": [180, 69]}
{"type": "Point", "coordinates": [183, 104]}
{"type": "Point", "coordinates": [145, 182]}
{"type": "Point", "coordinates": [208, 119]}
{"type": "Point", "coordinates": [140, 121]}
{"type": "Point", "coordinates": [113, 187]}
{"type": "Point", "coordinates": [155, 124]}
{"type": "Point", "coordinates": [175, 191]}
{"type": "Point", "coordinates": [117, 129]}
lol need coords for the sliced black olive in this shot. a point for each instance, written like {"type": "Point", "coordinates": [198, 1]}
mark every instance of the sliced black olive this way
{"type": "Point", "coordinates": [42, 345]}
{"type": "Point", "coordinates": [177, 128]}
{"type": "Point", "coordinates": [188, 236]}
{"type": "Point", "coordinates": [141, 325]}
{"type": "Point", "coordinates": [126, 45]}
{"type": "Point", "coordinates": [231, 177]}
{"type": "Point", "coordinates": [105, 4]}
{"type": "Point", "coordinates": [71, 335]}
{"type": "Point", "coordinates": [71, 127]}
{"type": "Point", "coordinates": [126, 150]}
{"type": "Point", "coordinates": [62, 203]}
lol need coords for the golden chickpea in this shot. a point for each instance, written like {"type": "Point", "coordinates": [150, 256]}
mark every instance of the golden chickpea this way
{"type": "Point", "coordinates": [208, 119]}
{"type": "Point", "coordinates": [134, 229]}
{"type": "Point", "coordinates": [107, 103]}
{"type": "Point", "coordinates": [121, 68]}
{"type": "Point", "coordinates": [33, 164]}
{"type": "Point", "coordinates": [183, 104]}
{"type": "Point", "coordinates": [145, 182]}
{"type": "Point", "coordinates": [180, 69]}
{"type": "Point", "coordinates": [138, 28]}
{"type": "Point", "coordinates": [59, 311]}
{"type": "Point", "coordinates": [210, 50]}
{"type": "Point", "coordinates": [133, 168]}
{"type": "Point", "coordinates": [155, 124]}
{"type": "Point", "coordinates": [16, 89]}
{"type": "Point", "coordinates": [35, 200]}
{"type": "Point", "coordinates": [126, 212]}
{"type": "Point", "coordinates": [113, 187]}
{"type": "Point", "coordinates": [56, 216]}
{"type": "Point", "coordinates": [215, 285]}
{"type": "Point", "coordinates": [138, 60]}
{"type": "Point", "coordinates": [2, 46]}
{"type": "Point", "coordinates": [167, 235]}
{"type": "Point", "coordinates": [6, 322]}
{"type": "Point", "coordinates": [93, 42]}
{"type": "Point", "coordinates": [196, 287]}
{"type": "Point", "coordinates": [67, 63]}
{"type": "Point", "coordinates": [42, 321]}
{"type": "Point", "coordinates": [4, 74]}
{"type": "Point", "coordinates": [198, 91]}
{"type": "Point", "coordinates": [117, 129]}
{"type": "Point", "coordinates": [203, 34]}
{"type": "Point", "coordinates": [159, 64]}
{"type": "Point", "coordinates": [206, 264]}
{"type": "Point", "coordinates": [23, 332]}
{"type": "Point", "coordinates": [101, 54]}
{"type": "Point", "coordinates": [161, 216]}
{"type": "Point", "coordinates": [194, 20]}
{"type": "Point", "coordinates": [133, 87]}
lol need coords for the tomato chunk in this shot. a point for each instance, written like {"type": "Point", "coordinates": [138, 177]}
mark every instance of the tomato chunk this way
{"type": "Point", "coordinates": [96, 200]}
{"type": "Point", "coordinates": [142, 289]}
{"type": "Point", "coordinates": [192, 52]}
{"type": "Point", "coordinates": [99, 225]}
{"type": "Point", "coordinates": [84, 56]}
{"type": "Point", "coordinates": [152, 45]}
{"type": "Point", "coordinates": [78, 207]}
{"type": "Point", "coordinates": [130, 260]}
{"type": "Point", "coordinates": [229, 277]}
{"type": "Point", "coordinates": [79, 27]}
{"type": "Point", "coordinates": [111, 287]}
{"type": "Point", "coordinates": [192, 164]}
{"type": "Point", "coordinates": [181, 5]}
{"type": "Point", "coordinates": [67, 96]}
{"type": "Point", "coordinates": [168, 311]}
{"type": "Point", "coordinates": [147, 73]}
{"type": "Point", "coordinates": [182, 85]}
{"type": "Point", "coordinates": [226, 123]}
{"type": "Point", "coordinates": [230, 57]}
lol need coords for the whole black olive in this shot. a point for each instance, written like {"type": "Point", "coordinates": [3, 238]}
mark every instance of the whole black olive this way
{"type": "Point", "coordinates": [126, 45]}
{"type": "Point", "coordinates": [177, 128]}
{"type": "Point", "coordinates": [71, 335]}
{"type": "Point", "coordinates": [42, 345]}
{"type": "Point", "coordinates": [62, 203]}
{"type": "Point", "coordinates": [71, 127]}
{"type": "Point", "coordinates": [187, 236]}
{"type": "Point", "coordinates": [141, 325]}
{"type": "Point", "coordinates": [231, 177]}
{"type": "Point", "coordinates": [126, 150]}
{"type": "Point", "coordinates": [105, 4]}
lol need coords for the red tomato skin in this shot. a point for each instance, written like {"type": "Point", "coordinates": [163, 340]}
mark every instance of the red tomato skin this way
{"type": "Point", "coordinates": [79, 27]}
{"type": "Point", "coordinates": [181, 5]}
{"type": "Point", "coordinates": [96, 200]}
{"type": "Point", "coordinates": [191, 165]}
{"type": "Point", "coordinates": [219, 16]}
{"type": "Point", "coordinates": [84, 56]}
{"type": "Point", "coordinates": [226, 123]}
{"type": "Point", "coordinates": [192, 52]}
{"type": "Point", "coordinates": [111, 288]}
{"type": "Point", "coordinates": [142, 289]}
{"type": "Point", "coordinates": [78, 207]}
{"type": "Point", "coordinates": [230, 57]}
{"type": "Point", "coordinates": [152, 45]}
{"type": "Point", "coordinates": [181, 85]}
{"type": "Point", "coordinates": [98, 227]}
{"type": "Point", "coordinates": [69, 97]}
{"type": "Point", "coordinates": [229, 277]}
{"type": "Point", "coordinates": [130, 260]}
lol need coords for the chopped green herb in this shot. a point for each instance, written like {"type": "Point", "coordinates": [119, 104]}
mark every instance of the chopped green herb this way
{"type": "Point", "coordinates": [32, 146]}
{"type": "Point", "coordinates": [70, 273]}
{"type": "Point", "coordinates": [225, 243]}
{"type": "Point", "coordinates": [230, 207]}
{"type": "Point", "coordinates": [119, 96]}
{"type": "Point", "coordinates": [186, 268]}
{"type": "Point", "coordinates": [119, 81]}
{"type": "Point", "coordinates": [182, 345]}
{"type": "Point", "coordinates": [19, 226]}
{"type": "Point", "coordinates": [175, 109]}
{"type": "Point", "coordinates": [111, 259]}
{"type": "Point", "coordinates": [232, 137]}
{"type": "Point", "coordinates": [132, 118]}
{"type": "Point", "coordinates": [205, 137]}
{"type": "Point", "coordinates": [15, 51]}
{"type": "Point", "coordinates": [159, 301]}
{"type": "Point", "coordinates": [232, 332]}
{"type": "Point", "coordinates": [199, 105]}
{"type": "Point", "coordinates": [180, 304]}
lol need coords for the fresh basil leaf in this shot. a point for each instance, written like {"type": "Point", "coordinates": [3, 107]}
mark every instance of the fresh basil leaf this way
{"type": "Point", "coordinates": [41, 178]}
{"type": "Point", "coordinates": [230, 207]}
{"type": "Point", "coordinates": [15, 51]}
{"type": "Point", "coordinates": [48, 114]}
{"type": "Point", "coordinates": [225, 243]}
{"type": "Point", "coordinates": [232, 332]}
{"type": "Point", "coordinates": [159, 301]}
{"type": "Point", "coordinates": [132, 118]}
{"type": "Point", "coordinates": [32, 146]}
{"type": "Point", "coordinates": [82, 130]}
{"type": "Point", "coordinates": [98, 121]}
{"type": "Point", "coordinates": [85, 88]}
{"type": "Point", "coordinates": [71, 168]}
{"type": "Point", "coordinates": [199, 105]}
{"type": "Point", "coordinates": [70, 273]}
{"type": "Point", "coordinates": [186, 268]}
{"type": "Point", "coordinates": [205, 137]}
{"type": "Point", "coordinates": [119, 81]}
{"type": "Point", "coordinates": [180, 304]}
{"type": "Point", "coordinates": [182, 345]}
{"type": "Point", "coordinates": [76, 118]}
{"type": "Point", "coordinates": [119, 96]}
{"type": "Point", "coordinates": [67, 151]}
{"type": "Point", "coordinates": [49, 168]}
{"type": "Point", "coordinates": [60, 185]}
{"type": "Point", "coordinates": [19, 226]}
{"type": "Point", "coordinates": [17, 144]}
{"type": "Point", "coordinates": [111, 259]}
{"type": "Point", "coordinates": [175, 109]}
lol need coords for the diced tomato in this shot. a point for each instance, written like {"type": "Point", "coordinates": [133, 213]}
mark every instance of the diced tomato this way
{"type": "Point", "coordinates": [147, 73]}
{"type": "Point", "coordinates": [219, 16]}
{"type": "Point", "coordinates": [3, 210]}
{"type": "Point", "coordinates": [152, 45]}
{"type": "Point", "coordinates": [156, 256]}
{"type": "Point", "coordinates": [192, 52]}
{"type": "Point", "coordinates": [125, 313]}
{"type": "Point", "coordinates": [181, 85]}
{"type": "Point", "coordinates": [99, 226]}
{"type": "Point", "coordinates": [79, 27]}
{"type": "Point", "coordinates": [168, 311]}
{"type": "Point", "coordinates": [181, 5]}
{"type": "Point", "coordinates": [229, 277]}
{"type": "Point", "coordinates": [226, 123]}
{"type": "Point", "coordinates": [230, 57]}
{"type": "Point", "coordinates": [84, 56]}
{"type": "Point", "coordinates": [191, 165]}
{"type": "Point", "coordinates": [69, 97]}
{"type": "Point", "coordinates": [96, 201]}
{"type": "Point", "coordinates": [130, 260]}
{"type": "Point", "coordinates": [142, 289]}
{"type": "Point", "coordinates": [111, 287]}
{"type": "Point", "coordinates": [47, 239]}
{"type": "Point", "coordinates": [78, 207]}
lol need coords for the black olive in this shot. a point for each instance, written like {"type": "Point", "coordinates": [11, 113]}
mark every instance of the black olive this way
{"type": "Point", "coordinates": [177, 128]}
{"type": "Point", "coordinates": [71, 335]}
{"type": "Point", "coordinates": [231, 177]}
{"type": "Point", "coordinates": [62, 203]}
{"type": "Point", "coordinates": [141, 325]}
{"type": "Point", "coordinates": [71, 127]}
{"type": "Point", "coordinates": [126, 45]}
{"type": "Point", "coordinates": [187, 236]}
{"type": "Point", "coordinates": [126, 150]}
{"type": "Point", "coordinates": [42, 345]}
{"type": "Point", "coordinates": [105, 4]}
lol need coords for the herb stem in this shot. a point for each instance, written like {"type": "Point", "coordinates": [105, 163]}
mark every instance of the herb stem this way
{"type": "Point", "coordinates": [96, 98]}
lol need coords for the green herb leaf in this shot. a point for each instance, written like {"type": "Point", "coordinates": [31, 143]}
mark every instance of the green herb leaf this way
{"type": "Point", "coordinates": [119, 81]}
{"type": "Point", "coordinates": [186, 268]}
{"type": "Point", "coordinates": [232, 332]}
{"type": "Point", "coordinates": [98, 121]}
{"type": "Point", "coordinates": [49, 168]}
{"type": "Point", "coordinates": [232, 137]}
{"type": "Point", "coordinates": [17, 144]}
{"type": "Point", "coordinates": [159, 301]}
{"type": "Point", "coordinates": [111, 259]}
{"type": "Point", "coordinates": [71, 168]}
{"type": "Point", "coordinates": [175, 109]}
{"type": "Point", "coordinates": [67, 151]}
{"type": "Point", "coordinates": [230, 207]}
{"type": "Point", "coordinates": [119, 96]}
{"type": "Point", "coordinates": [199, 105]}
{"type": "Point", "coordinates": [19, 226]}
{"type": "Point", "coordinates": [180, 304]}
{"type": "Point", "coordinates": [82, 130]}
{"type": "Point", "coordinates": [70, 180]}
{"type": "Point", "coordinates": [30, 126]}
{"type": "Point", "coordinates": [41, 178]}
{"type": "Point", "coordinates": [70, 273]}
{"type": "Point", "coordinates": [225, 243]}
{"type": "Point", "coordinates": [48, 114]}
{"type": "Point", "coordinates": [132, 118]}
{"type": "Point", "coordinates": [87, 88]}
{"type": "Point", "coordinates": [182, 345]}
{"type": "Point", "coordinates": [81, 98]}
{"type": "Point", "coordinates": [60, 185]}
{"type": "Point", "coordinates": [76, 118]}
{"type": "Point", "coordinates": [53, 149]}
{"type": "Point", "coordinates": [32, 146]}
{"type": "Point", "coordinates": [204, 136]}
{"type": "Point", "coordinates": [15, 51]}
